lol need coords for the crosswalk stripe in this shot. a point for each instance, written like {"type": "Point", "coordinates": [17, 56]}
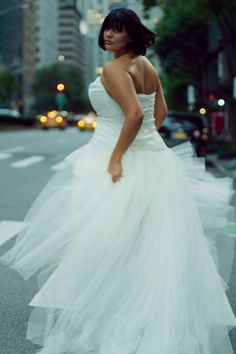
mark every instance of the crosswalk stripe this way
{"type": "Point", "coordinates": [14, 149]}
{"type": "Point", "coordinates": [5, 155]}
{"type": "Point", "coordinates": [59, 166]}
{"type": "Point", "coordinates": [9, 228]}
{"type": "Point", "coordinates": [27, 162]}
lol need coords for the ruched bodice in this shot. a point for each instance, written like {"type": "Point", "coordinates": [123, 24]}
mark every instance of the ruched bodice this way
{"type": "Point", "coordinates": [110, 119]}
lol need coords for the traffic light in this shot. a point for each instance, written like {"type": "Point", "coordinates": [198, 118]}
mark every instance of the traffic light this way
{"type": "Point", "coordinates": [60, 98]}
{"type": "Point", "coordinates": [60, 87]}
{"type": "Point", "coordinates": [211, 97]}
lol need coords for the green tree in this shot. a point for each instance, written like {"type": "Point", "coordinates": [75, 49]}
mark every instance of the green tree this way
{"type": "Point", "coordinates": [224, 12]}
{"type": "Point", "coordinates": [45, 83]}
{"type": "Point", "coordinates": [8, 87]}
{"type": "Point", "coordinates": [182, 47]}
{"type": "Point", "coordinates": [201, 14]}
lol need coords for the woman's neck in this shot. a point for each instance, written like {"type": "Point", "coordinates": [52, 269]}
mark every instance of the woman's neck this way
{"type": "Point", "coordinates": [123, 53]}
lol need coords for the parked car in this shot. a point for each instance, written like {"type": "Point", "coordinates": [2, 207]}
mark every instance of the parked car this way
{"type": "Point", "coordinates": [9, 113]}
{"type": "Point", "coordinates": [87, 122]}
{"type": "Point", "coordinates": [53, 119]}
{"type": "Point", "coordinates": [181, 126]}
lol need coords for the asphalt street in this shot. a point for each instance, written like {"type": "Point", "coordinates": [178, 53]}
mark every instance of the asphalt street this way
{"type": "Point", "coordinates": [27, 161]}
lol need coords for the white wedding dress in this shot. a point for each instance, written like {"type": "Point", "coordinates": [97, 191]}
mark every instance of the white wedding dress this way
{"type": "Point", "coordinates": [128, 267]}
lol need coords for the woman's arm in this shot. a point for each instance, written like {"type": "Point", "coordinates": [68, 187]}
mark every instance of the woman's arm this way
{"type": "Point", "coordinates": [120, 87]}
{"type": "Point", "coordinates": [161, 109]}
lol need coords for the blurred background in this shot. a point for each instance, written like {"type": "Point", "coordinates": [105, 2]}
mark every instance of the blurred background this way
{"type": "Point", "coordinates": [46, 42]}
{"type": "Point", "coordinates": [49, 56]}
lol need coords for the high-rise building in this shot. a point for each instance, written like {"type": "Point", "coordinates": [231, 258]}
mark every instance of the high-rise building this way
{"type": "Point", "coordinates": [71, 42]}
{"type": "Point", "coordinates": [28, 57]}
{"type": "Point", "coordinates": [135, 5]}
{"type": "Point", "coordinates": [46, 18]}
{"type": "Point", "coordinates": [53, 31]}
{"type": "Point", "coordinates": [17, 47]}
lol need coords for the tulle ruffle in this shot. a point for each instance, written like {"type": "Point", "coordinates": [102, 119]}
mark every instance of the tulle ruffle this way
{"type": "Point", "coordinates": [131, 267]}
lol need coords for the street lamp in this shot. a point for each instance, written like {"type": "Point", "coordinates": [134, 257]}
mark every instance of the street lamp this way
{"type": "Point", "coordinates": [202, 111]}
{"type": "Point", "coordinates": [60, 87]}
{"type": "Point", "coordinates": [60, 98]}
{"type": "Point", "coordinates": [61, 58]}
{"type": "Point", "coordinates": [221, 102]}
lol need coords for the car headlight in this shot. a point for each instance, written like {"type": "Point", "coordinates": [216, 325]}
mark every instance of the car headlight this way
{"type": "Point", "coordinates": [81, 123]}
{"type": "Point", "coordinates": [94, 124]}
{"type": "Point", "coordinates": [59, 119]}
{"type": "Point", "coordinates": [52, 114]}
{"type": "Point", "coordinates": [43, 119]}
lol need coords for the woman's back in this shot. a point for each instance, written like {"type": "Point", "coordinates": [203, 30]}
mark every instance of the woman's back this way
{"type": "Point", "coordinates": [145, 80]}
{"type": "Point", "coordinates": [141, 70]}
{"type": "Point", "coordinates": [143, 74]}
{"type": "Point", "coordinates": [110, 119]}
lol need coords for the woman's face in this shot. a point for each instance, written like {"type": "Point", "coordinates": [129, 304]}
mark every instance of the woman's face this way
{"type": "Point", "coordinates": [115, 40]}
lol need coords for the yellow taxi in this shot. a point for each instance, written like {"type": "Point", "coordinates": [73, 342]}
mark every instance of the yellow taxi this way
{"type": "Point", "coordinates": [87, 122]}
{"type": "Point", "coordinates": [180, 134]}
{"type": "Point", "coordinates": [53, 119]}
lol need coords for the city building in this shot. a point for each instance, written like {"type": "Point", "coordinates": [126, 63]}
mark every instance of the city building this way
{"type": "Point", "coordinates": [71, 43]}
{"type": "Point", "coordinates": [135, 5]}
{"type": "Point", "coordinates": [46, 20]}
{"type": "Point", "coordinates": [28, 57]}
{"type": "Point", "coordinates": [17, 48]}
{"type": "Point", "coordinates": [53, 31]}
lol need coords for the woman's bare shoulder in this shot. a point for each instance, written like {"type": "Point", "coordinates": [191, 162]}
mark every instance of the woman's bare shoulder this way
{"type": "Point", "coordinates": [147, 62]}
{"type": "Point", "coordinates": [115, 64]}
{"type": "Point", "coordinates": [121, 64]}
{"type": "Point", "coordinates": [114, 68]}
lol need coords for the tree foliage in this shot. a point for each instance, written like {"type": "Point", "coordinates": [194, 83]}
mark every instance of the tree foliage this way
{"type": "Point", "coordinates": [224, 13]}
{"type": "Point", "coordinates": [183, 44]}
{"type": "Point", "coordinates": [182, 47]}
{"type": "Point", "coordinates": [8, 87]}
{"type": "Point", "coordinates": [45, 83]}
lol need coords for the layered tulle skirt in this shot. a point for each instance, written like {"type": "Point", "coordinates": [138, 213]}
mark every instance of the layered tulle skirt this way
{"type": "Point", "coordinates": [130, 267]}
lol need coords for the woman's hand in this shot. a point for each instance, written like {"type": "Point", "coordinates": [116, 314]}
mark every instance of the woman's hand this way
{"type": "Point", "coordinates": [115, 170]}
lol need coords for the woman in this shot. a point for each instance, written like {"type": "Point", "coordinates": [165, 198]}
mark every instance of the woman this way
{"type": "Point", "coordinates": [121, 239]}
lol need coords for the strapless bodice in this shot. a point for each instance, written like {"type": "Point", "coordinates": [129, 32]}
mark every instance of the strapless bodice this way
{"type": "Point", "coordinates": [110, 119]}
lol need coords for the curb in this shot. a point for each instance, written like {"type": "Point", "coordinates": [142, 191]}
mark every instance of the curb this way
{"type": "Point", "coordinates": [17, 128]}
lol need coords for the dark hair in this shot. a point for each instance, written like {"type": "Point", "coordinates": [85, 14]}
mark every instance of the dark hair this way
{"type": "Point", "coordinates": [141, 37]}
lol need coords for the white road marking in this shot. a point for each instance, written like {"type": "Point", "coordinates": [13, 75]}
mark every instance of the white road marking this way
{"type": "Point", "coordinates": [9, 229]}
{"type": "Point", "coordinates": [59, 166]}
{"type": "Point", "coordinates": [27, 162]}
{"type": "Point", "coordinates": [5, 155]}
{"type": "Point", "coordinates": [14, 149]}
